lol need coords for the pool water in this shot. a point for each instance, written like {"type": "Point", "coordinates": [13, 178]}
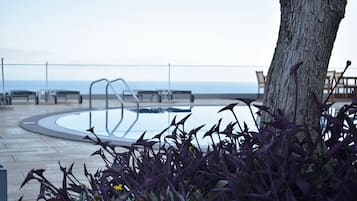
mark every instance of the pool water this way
{"type": "Point", "coordinates": [129, 124]}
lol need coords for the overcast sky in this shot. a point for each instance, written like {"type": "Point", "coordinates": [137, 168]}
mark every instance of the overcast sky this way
{"type": "Point", "coordinates": [234, 32]}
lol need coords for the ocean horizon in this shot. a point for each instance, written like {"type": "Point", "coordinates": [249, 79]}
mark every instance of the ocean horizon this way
{"type": "Point", "coordinates": [99, 88]}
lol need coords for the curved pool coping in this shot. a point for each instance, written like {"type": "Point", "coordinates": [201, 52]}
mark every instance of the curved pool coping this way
{"type": "Point", "coordinates": [45, 124]}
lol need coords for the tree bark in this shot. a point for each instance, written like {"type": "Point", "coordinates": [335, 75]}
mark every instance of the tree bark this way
{"type": "Point", "coordinates": [308, 29]}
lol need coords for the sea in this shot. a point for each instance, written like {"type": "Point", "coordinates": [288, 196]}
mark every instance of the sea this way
{"type": "Point", "coordinates": [99, 88]}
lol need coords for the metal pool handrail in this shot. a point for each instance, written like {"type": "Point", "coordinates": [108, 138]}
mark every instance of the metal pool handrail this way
{"type": "Point", "coordinates": [90, 89]}
{"type": "Point", "coordinates": [109, 84]}
{"type": "Point", "coordinates": [117, 95]}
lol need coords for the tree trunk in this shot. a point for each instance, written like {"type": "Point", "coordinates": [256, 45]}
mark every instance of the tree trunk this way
{"type": "Point", "coordinates": [307, 33]}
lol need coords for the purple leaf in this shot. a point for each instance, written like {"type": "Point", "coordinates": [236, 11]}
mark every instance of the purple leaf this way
{"type": "Point", "coordinates": [158, 136]}
{"type": "Point", "coordinates": [297, 149]}
{"type": "Point", "coordinates": [39, 172]}
{"type": "Point", "coordinates": [173, 122]}
{"type": "Point", "coordinates": [70, 169]}
{"type": "Point", "coordinates": [262, 108]}
{"type": "Point", "coordinates": [247, 101]}
{"type": "Point", "coordinates": [41, 195]}
{"type": "Point", "coordinates": [98, 152]}
{"type": "Point", "coordinates": [335, 149]}
{"type": "Point", "coordinates": [90, 130]}
{"type": "Point", "coordinates": [228, 107]}
{"type": "Point", "coordinates": [210, 131]}
{"type": "Point", "coordinates": [303, 185]}
{"type": "Point", "coordinates": [182, 121]}
{"type": "Point", "coordinates": [28, 178]}
{"type": "Point", "coordinates": [195, 130]}
{"type": "Point", "coordinates": [348, 63]}
{"type": "Point", "coordinates": [141, 138]}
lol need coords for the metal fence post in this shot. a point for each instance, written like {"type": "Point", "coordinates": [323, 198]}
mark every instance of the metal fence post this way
{"type": "Point", "coordinates": [3, 81]}
{"type": "Point", "coordinates": [47, 93]}
{"type": "Point", "coordinates": [169, 76]}
{"type": "Point", "coordinates": [3, 183]}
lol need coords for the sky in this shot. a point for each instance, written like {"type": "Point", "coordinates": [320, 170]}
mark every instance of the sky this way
{"type": "Point", "coordinates": [205, 32]}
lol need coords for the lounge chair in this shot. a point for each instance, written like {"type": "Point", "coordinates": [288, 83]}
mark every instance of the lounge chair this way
{"type": "Point", "coordinates": [176, 94]}
{"type": "Point", "coordinates": [4, 98]}
{"type": "Point", "coordinates": [23, 94]}
{"type": "Point", "coordinates": [350, 84]}
{"type": "Point", "coordinates": [329, 81]}
{"type": "Point", "coordinates": [143, 95]}
{"type": "Point", "coordinates": [261, 80]}
{"type": "Point", "coordinates": [151, 94]}
{"type": "Point", "coordinates": [65, 94]}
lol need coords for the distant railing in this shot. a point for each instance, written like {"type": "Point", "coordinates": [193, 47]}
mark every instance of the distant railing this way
{"type": "Point", "coordinates": [213, 78]}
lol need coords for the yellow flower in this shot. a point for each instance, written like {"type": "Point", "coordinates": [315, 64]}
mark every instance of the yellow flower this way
{"type": "Point", "coordinates": [83, 186]}
{"type": "Point", "coordinates": [118, 187]}
{"type": "Point", "coordinates": [192, 148]}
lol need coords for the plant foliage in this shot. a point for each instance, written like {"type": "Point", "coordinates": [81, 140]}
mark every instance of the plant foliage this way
{"type": "Point", "coordinates": [280, 161]}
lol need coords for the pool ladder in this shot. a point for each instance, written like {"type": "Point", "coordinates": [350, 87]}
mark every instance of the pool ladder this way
{"type": "Point", "coordinates": [109, 83]}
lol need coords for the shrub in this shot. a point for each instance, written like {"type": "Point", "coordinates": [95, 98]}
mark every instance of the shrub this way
{"type": "Point", "coordinates": [272, 163]}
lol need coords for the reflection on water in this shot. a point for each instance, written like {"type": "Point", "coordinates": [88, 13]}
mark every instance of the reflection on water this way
{"type": "Point", "coordinates": [131, 123]}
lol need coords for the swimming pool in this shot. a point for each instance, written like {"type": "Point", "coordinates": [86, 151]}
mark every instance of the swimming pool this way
{"type": "Point", "coordinates": [125, 126]}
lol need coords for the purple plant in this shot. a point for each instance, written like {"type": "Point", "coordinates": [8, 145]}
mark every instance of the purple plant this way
{"type": "Point", "coordinates": [271, 164]}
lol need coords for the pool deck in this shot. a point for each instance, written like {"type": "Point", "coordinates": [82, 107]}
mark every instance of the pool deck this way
{"type": "Point", "coordinates": [21, 151]}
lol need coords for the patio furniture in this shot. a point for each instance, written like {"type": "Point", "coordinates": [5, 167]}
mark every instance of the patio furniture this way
{"type": "Point", "coordinates": [176, 94]}
{"type": "Point", "coordinates": [65, 94]}
{"type": "Point", "coordinates": [4, 99]}
{"type": "Point", "coordinates": [151, 94]}
{"type": "Point", "coordinates": [23, 94]}
{"type": "Point", "coordinates": [160, 94]}
{"type": "Point", "coordinates": [261, 80]}
{"type": "Point", "coordinates": [350, 85]}
{"type": "Point", "coordinates": [143, 95]}
{"type": "Point", "coordinates": [329, 81]}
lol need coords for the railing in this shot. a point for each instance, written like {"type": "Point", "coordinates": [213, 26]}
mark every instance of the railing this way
{"type": "Point", "coordinates": [122, 109]}
{"type": "Point", "coordinates": [3, 98]}
{"type": "Point", "coordinates": [109, 84]}
{"type": "Point", "coordinates": [117, 95]}
{"type": "Point", "coordinates": [169, 76]}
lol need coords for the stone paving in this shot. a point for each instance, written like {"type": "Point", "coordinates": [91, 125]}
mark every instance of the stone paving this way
{"type": "Point", "coordinates": [21, 151]}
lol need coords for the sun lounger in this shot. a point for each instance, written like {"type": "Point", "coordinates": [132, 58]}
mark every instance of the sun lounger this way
{"type": "Point", "coordinates": [149, 94]}
{"type": "Point", "coordinates": [176, 94]}
{"type": "Point", "coordinates": [23, 94]}
{"type": "Point", "coordinates": [144, 95]}
{"type": "Point", "coordinates": [160, 94]}
{"type": "Point", "coordinates": [4, 99]}
{"type": "Point", "coordinates": [261, 80]}
{"type": "Point", "coordinates": [65, 94]}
